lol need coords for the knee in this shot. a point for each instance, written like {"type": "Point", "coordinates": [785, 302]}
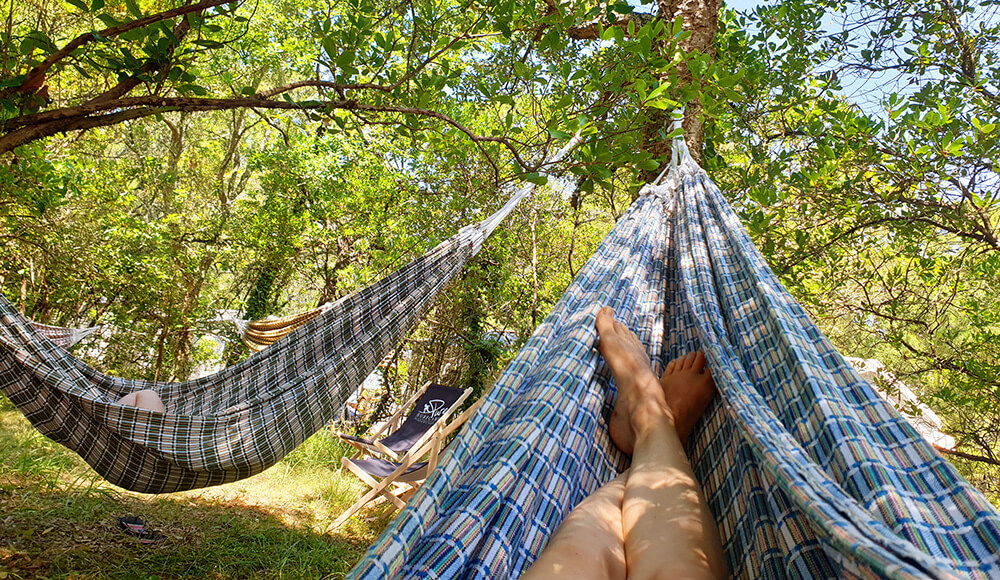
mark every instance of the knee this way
{"type": "Point", "coordinates": [145, 399]}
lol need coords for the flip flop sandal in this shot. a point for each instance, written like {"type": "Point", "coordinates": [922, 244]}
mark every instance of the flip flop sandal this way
{"type": "Point", "coordinates": [136, 527]}
{"type": "Point", "coordinates": [151, 537]}
{"type": "Point", "coordinates": [132, 525]}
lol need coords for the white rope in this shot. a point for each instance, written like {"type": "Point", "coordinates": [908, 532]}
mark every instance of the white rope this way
{"type": "Point", "coordinates": [680, 163]}
{"type": "Point", "coordinates": [486, 227]}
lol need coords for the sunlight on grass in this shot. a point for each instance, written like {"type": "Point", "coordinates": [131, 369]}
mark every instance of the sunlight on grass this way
{"type": "Point", "coordinates": [58, 519]}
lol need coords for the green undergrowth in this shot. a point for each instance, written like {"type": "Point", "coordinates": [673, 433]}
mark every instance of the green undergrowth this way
{"type": "Point", "coordinates": [58, 519]}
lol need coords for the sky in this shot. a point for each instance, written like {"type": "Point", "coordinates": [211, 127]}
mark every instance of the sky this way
{"type": "Point", "coordinates": [741, 5]}
{"type": "Point", "coordinates": [744, 5]}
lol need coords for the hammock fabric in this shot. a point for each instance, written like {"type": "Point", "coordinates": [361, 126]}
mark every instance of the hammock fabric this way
{"type": "Point", "coordinates": [62, 336]}
{"type": "Point", "coordinates": [238, 422]}
{"type": "Point", "coordinates": [810, 474]}
{"type": "Point", "coordinates": [260, 334]}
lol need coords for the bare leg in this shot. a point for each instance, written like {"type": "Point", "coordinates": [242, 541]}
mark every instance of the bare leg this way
{"type": "Point", "coordinates": [669, 530]}
{"type": "Point", "coordinates": [144, 399]}
{"type": "Point", "coordinates": [651, 521]}
{"type": "Point", "coordinates": [589, 543]}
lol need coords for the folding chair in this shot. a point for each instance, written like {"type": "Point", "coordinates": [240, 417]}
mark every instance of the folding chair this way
{"type": "Point", "coordinates": [410, 452]}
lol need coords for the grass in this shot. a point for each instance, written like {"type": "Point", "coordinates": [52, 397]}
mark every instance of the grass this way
{"type": "Point", "coordinates": [58, 519]}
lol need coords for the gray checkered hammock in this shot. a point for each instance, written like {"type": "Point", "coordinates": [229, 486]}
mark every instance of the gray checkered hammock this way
{"type": "Point", "coordinates": [810, 474]}
{"type": "Point", "coordinates": [64, 336]}
{"type": "Point", "coordinates": [238, 422]}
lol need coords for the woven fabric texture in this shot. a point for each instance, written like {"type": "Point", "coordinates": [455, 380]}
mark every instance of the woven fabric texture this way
{"type": "Point", "coordinates": [238, 422]}
{"type": "Point", "coordinates": [809, 473]}
{"type": "Point", "coordinates": [62, 336]}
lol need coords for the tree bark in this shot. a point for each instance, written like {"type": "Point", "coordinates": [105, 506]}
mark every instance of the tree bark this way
{"type": "Point", "coordinates": [701, 18]}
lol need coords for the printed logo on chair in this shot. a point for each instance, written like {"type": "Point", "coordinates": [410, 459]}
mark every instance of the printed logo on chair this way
{"type": "Point", "coordinates": [432, 411]}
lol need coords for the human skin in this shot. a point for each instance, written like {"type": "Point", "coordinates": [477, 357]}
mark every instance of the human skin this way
{"type": "Point", "coordinates": [652, 521]}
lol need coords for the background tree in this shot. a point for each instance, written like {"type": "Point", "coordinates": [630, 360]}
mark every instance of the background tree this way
{"type": "Point", "coordinates": [164, 160]}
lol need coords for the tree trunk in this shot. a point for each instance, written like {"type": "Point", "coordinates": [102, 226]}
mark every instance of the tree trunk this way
{"type": "Point", "coordinates": [169, 177]}
{"type": "Point", "coordinates": [701, 18]}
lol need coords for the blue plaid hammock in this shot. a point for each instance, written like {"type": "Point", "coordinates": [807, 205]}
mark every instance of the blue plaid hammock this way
{"type": "Point", "coordinates": [809, 472]}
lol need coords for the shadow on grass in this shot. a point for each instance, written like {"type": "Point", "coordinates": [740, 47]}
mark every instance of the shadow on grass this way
{"type": "Point", "coordinates": [75, 534]}
{"type": "Point", "coordinates": [59, 520]}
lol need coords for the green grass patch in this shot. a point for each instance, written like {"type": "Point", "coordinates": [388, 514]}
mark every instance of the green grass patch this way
{"type": "Point", "coordinates": [58, 519]}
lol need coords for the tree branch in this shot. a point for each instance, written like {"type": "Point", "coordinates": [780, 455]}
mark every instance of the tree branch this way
{"type": "Point", "coordinates": [591, 30]}
{"type": "Point", "coordinates": [317, 84]}
{"type": "Point", "coordinates": [35, 77]}
{"type": "Point", "coordinates": [31, 127]}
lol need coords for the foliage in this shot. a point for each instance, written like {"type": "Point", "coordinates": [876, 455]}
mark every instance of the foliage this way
{"type": "Point", "coordinates": [167, 162]}
{"type": "Point", "coordinates": [862, 158]}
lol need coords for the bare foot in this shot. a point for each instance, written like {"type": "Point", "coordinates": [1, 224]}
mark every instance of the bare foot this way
{"type": "Point", "coordinates": [680, 396]}
{"type": "Point", "coordinates": [688, 387]}
{"type": "Point", "coordinates": [640, 396]}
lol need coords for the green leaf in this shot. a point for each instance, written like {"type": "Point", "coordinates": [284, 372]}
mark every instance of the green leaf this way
{"type": "Point", "coordinates": [12, 82]}
{"type": "Point", "coordinates": [557, 134]}
{"type": "Point", "coordinates": [193, 89]}
{"type": "Point", "coordinates": [657, 91]}
{"type": "Point", "coordinates": [677, 26]}
{"type": "Point", "coordinates": [133, 8]}
{"type": "Point", "coordinates": [209, 43]}
{"type": "Point", "coordinates": [80, 4]}
{"type": "Point", "coordinates": [536, 178]}
{"type": "Point", "coordinates": [133, 35]}
{"type": "Point", "coordinates": [108, 20]}
{"type": "Point", "coordinates": [96, 5]}
{"type": "Point", "coordinates": [345, 59]}
{"type": "Point", "coordinates": [645, 46]}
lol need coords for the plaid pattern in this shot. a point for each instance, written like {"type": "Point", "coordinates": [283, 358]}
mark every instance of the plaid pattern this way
{"type": "Point", "coordinates": [62, 336]}
{"type": "Point", "coordinates": [809, 472]}
{"type": "Point", "coordinates": [238, 422]}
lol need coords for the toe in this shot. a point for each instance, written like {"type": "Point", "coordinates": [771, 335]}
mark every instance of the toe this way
{"type": "Point", "coordinates": [605, 322]}
{"type": "Point", "coordinates": [699, 361]}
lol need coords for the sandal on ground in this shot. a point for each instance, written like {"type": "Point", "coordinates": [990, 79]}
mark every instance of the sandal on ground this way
{"type": "Point", "coordinates": [134, 526]}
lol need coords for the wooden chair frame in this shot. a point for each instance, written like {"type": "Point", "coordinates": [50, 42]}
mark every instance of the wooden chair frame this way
{"type": "Point", "coordinates": [390, 425]}
{"type": "Point", "coordinates": [399, 486]}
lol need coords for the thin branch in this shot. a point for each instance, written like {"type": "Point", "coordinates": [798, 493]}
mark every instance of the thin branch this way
{"type": "Point", "coordinates": [969, 456]}
{"type": "Point", "coordinates": [322, 85]}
